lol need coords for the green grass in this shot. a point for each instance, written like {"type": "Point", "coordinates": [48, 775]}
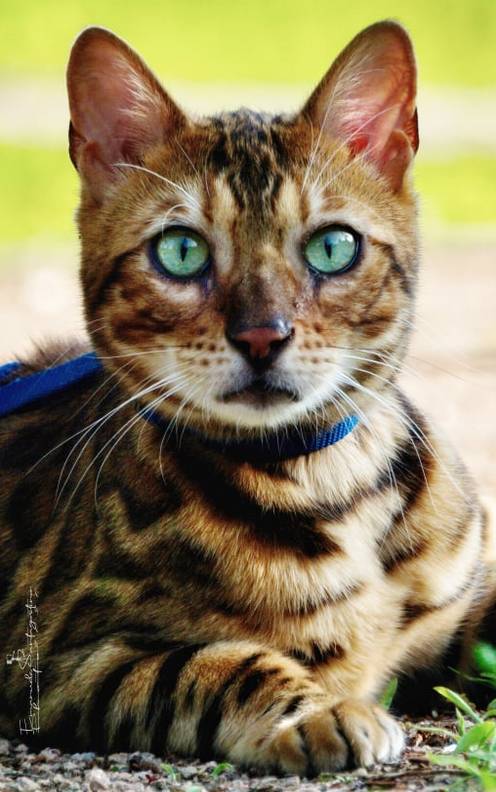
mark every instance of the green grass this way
{"type": "Point", "coordinates": [39, 193]}
{"type": "Point", "coordinates": [253, 40]}
{"type": "Point", "coordinates": [458, 191]}
{"type": "Point", "coordinates": [474, 741]}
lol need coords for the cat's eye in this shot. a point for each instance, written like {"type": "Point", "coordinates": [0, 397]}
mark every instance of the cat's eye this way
{"type": "Point", "coordinates": [182, 253]}
{"type": "Point", "coordinates": [332, 250]}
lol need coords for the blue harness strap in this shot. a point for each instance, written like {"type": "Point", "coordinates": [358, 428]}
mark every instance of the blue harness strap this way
{"type": "Point", "coordinates": [30, 388]}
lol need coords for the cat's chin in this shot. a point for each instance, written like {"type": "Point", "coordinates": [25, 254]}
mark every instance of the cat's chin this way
{"type": "Point", "coordinates": [260, 408]}
{"type": "Point", "coordinates": [260, 396]}
{"type": "Point", "coordinates": [267, 402]}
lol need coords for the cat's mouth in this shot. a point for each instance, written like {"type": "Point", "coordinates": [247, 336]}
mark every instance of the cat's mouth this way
{"type": "Point", "coordinates": [260, 393]}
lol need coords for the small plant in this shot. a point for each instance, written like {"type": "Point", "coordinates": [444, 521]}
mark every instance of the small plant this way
{"type": "Point", "coordinates": [484, 659]}
{"type": "Point", "coordinates": [474, 751]}
{"type": "Point", "coordinates": [389, 693]}
{"type": "Point", "coordinates": [170, 771]}
{"type": "Point", "coordinates": [222, 767]}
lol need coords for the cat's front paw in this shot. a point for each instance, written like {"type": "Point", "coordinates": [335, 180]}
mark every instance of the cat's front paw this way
{"type": "Point", "coordinates": [326, 739]}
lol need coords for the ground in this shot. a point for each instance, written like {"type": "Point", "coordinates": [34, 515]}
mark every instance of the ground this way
{"type": "Point", "coordinates": [21, 771]}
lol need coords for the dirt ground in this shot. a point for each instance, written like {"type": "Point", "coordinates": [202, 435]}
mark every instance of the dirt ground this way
{"type": "Point", "coordinates": [51, 771]}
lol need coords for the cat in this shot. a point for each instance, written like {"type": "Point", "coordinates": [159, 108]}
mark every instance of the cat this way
{"type": "Point", "coordinates": [236, 526]}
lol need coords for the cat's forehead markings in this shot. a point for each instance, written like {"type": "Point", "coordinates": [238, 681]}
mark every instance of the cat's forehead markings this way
{"type": "Point", "coordinates": [245, 150]}
{"type": "Point", "coordinates": [224, 205]}
{"type": "Point", "coordinates": [289, 203]}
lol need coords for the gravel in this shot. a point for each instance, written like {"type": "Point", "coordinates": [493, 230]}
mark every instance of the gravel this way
{"type": "Point", "coordinates": [50, 770]}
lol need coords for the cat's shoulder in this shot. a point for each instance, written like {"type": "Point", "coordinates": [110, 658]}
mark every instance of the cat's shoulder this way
{"type": "Point", "coordinates": [42, 357]}
{"type": "Point", "coordinates": [27, 395]}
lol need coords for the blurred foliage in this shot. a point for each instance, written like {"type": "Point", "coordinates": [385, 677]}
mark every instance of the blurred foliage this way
{"type": "Point", "coordinates": [252, 40]}
{"type": "Point", "coordinates": [38, 193]}
{"type": "Point", "coordinates": [473, 745]}
{"type": "Point", "coordinates": [39, 188]}
{"type": "Point", "coordinates": [458, 190]}
{"type": "Point", "coordinates": [270, 41]}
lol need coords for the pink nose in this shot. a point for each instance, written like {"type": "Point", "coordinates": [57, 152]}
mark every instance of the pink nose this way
{"type": "Point", "coordinates": [260, 342]}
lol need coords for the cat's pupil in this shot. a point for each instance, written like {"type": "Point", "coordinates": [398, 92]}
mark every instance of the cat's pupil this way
{"type": "Point", "coordinates": [185, 245]}
{"type": "Point", "coordinates": [328, 247]}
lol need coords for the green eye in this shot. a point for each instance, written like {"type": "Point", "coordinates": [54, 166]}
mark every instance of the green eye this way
{"type": "Point", "coordinates": [181, 253]}
{"type": "Point", "coordinates": [331, 250]}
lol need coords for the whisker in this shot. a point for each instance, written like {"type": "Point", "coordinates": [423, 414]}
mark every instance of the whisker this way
{"type": "Point", "coordinates": [168, 431]}
{"type": "Point", "coordinates": [79, 431]}
{"type": "Point", "coordinates": [120, 434]}
{"type": "Point", "coordinates": [193, 166]}
{"type": "Point", "coordinates": [99, 424]}
{"type": "Point", "coordinates": [171, 183]}
{"type": "Point", "coordinates": [416, 430]}
{"type": "Point", "coordinates": [390, 472]}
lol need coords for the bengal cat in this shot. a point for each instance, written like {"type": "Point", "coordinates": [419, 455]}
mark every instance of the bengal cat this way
{"type": "Point", "coordinates": [214, 576]}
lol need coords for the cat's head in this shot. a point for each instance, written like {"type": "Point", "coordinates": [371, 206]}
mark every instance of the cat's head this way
{"type": "Point", "coordinates": [257, 271]}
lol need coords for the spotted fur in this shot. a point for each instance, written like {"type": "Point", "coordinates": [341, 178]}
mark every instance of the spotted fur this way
{"type": "Point", "coordinates": [190, 601]}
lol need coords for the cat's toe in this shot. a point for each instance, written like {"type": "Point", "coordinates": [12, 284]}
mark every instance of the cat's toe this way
{"type": "Point", "coordinates": [310, 745]}
{"type": "Point", "coordinates": [328, 739]}
{"type": "Point", "coordinates": [372, 734]}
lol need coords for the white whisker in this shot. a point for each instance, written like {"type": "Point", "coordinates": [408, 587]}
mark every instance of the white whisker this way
{"type": "Point", "coordinates": [187, 195]}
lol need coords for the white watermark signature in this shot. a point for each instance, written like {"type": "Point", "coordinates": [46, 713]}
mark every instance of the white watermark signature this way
{"type": "Point", "coordinates": [27, 659]}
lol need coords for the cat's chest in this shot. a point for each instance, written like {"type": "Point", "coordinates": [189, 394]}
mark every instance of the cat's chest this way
{"type": "Point", "coordinates": [280, 557]}
{"type": "Point", "coordinates": [304, 577]}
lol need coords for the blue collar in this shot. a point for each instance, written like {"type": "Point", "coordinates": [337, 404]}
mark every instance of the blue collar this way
{"type": "Point", "coordinates": [23, 390]}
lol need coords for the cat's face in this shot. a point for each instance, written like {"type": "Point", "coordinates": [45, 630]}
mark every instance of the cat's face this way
{"type": "Point", "coordinates": [257, 271]}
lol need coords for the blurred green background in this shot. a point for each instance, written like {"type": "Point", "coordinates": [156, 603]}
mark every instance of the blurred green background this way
{"type": "Point", "coordinates": [221, 52]}
{"type": "Point", "coordinates": [267, 40]}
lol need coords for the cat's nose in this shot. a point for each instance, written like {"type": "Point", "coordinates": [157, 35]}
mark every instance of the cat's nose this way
{"type": "Point", "coordinates": [260, 345]}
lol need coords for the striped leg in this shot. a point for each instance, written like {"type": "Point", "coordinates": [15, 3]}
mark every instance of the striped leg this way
{"type": "Point", "coordinates": [235, 700]}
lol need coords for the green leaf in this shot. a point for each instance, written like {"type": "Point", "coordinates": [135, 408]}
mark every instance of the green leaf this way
{"type": "Point", "coordinates": [485, 757]}
{"type": "Point", "coordinates": [170, 770]}
{"type": "Point", "coordinates": [476, 737]}
{"type": "Point", "coordinates": [488, 678]}
{"type": "Point", "coordinates": [484, 656]}
{"type": "Point", "coordinates": [387, 697]}
{"type": "Point", "coordinates": [460, 722]}
{"type": "Point", "coordinates": [222, 767]}
{"type": "Point", "coordinates": [459, 702]}
{"type": "Point", "coordinates": [446, 760]}
{"type": "Point", "coordinates": [488, 781]}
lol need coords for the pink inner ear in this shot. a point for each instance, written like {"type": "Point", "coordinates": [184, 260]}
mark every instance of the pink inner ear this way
{"type": "Point", "coordinates": [115, 102]}
{"type": "Point", "coordinates": [368, 98]}
{"type": "Point", "coordinates": [376, 106]}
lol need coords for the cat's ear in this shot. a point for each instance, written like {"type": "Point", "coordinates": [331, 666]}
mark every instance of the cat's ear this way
{"type": "Point", "coordinates": [118, 108]}
{"type": "Point", "coordinates": [367, 99]}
